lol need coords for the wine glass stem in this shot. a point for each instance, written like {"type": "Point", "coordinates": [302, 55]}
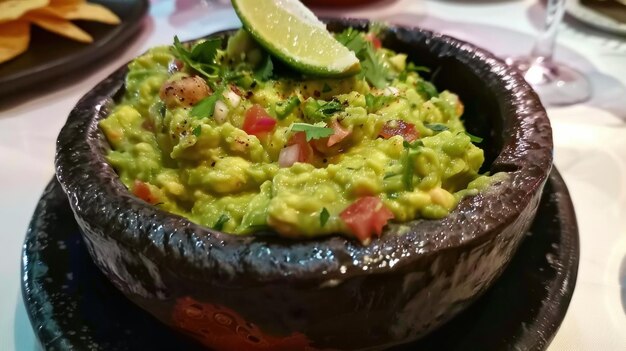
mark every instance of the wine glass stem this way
{"type": "Point", "coordinates": [544, 46]}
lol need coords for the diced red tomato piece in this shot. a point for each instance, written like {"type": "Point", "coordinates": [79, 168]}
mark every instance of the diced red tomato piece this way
{"type": "Point", "coordinates": [142, 191]}
{"type": "Point", "coordinates": [339, 133]}
{"type": "Point", "coordinates": [258, 121]}
{"type": "Point", "coordinates": [374, 40]}
{"type": "Point", "coordinates": [399, 127]}
{"type": "Point", "coordinates": [365, 217]}
{"type": "Point", "coordinates": [306, 151]}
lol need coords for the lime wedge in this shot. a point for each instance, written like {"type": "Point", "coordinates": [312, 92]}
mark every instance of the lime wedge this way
{"type": "Point", "coordinates": [291, 32]}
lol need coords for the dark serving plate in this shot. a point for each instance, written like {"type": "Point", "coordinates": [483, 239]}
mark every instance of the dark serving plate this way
{"type": "Point", "coordinates": [72, 306]}
{"type": "Point", "coordinates": [50, 55]}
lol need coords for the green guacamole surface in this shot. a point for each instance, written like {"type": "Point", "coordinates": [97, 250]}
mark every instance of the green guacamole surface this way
{"type": "Point", "coordinates": [208, 169]}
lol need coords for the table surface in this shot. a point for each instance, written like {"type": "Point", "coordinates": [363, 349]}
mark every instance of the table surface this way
{"type": "Point", "coordinates": [590, 143]}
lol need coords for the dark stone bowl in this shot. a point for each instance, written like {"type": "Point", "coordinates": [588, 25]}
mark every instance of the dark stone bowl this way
{"type": "Point", "coordinates": [264, 292]}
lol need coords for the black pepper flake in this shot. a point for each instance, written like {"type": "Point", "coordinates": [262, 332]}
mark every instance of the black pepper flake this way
{"type": "Point", "coordinates": [213, 164]}
{"type": "Point", "coordinates": [253, 85]}
{"type": "Point", "coordinates": [304, 87]}
{"type": "Point", "coordinates": [317, 93]}
{"type": "Point", "coordinates": [249, 94]}
{"type": "Point", "coordinates": [324, 160]}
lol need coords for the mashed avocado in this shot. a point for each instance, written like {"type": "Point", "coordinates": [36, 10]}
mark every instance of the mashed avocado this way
{"type": "Point", "coordinates": [233, 140]}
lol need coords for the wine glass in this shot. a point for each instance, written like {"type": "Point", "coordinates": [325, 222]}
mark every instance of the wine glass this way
{"type": "Point", "coordinates": [556, 83]}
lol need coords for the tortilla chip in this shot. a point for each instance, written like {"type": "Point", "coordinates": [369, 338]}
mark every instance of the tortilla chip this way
{"type": "Point", "coordinates": [14, 38]}
{"type": "Point", "coordinates": [13, 9]}
{"type": "Point", "coordinates": [83, 11]}
{"type": "Point", "coordinates": [60, 26]}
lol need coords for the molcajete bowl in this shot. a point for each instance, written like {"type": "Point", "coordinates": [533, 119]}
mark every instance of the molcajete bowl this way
{"type": "Point", "coordinates": [264, 292]}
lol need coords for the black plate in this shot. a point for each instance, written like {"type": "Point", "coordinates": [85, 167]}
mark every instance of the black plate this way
{"type": "Point", "coordinates": [71, 305]}
{"type": "Point", "coordinates": [50, 55]}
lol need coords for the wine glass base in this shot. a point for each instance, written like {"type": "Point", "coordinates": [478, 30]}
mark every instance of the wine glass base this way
{"type": "Point", "coordinates": [556, 84]}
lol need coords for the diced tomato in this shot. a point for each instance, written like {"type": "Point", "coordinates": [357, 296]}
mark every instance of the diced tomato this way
{"type": "Point", "coordinates": [258, 121]}
{"type": "Point", "coordinates": [306, 151]}
{"type": "Point", "coordinates": [374, 40]}
{"type": "Point", "coordinates": [339, 133]}
{"type": "Point", "coordinates": [142, 191]}
{"type": "Point", "coordinates": [365, 217]}
{"type": "Point", "coordinates": [399, 127]}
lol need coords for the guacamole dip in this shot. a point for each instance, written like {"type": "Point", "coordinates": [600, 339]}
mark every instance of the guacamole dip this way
{"type": "Point", "coordinates": [229, 137]}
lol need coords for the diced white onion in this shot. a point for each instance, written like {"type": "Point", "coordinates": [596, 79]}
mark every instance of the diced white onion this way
{"type": "Point", "coordinates": [221, 112]}
{"type": "Point", "coordinates": [289, 155]}
{"type": "Point", "coordinates": [391, 91]}
{"type": "Point", "coordinates": [233, 98]}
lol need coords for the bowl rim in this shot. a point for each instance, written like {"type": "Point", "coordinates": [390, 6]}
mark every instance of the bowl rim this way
{"type": "Point", "coordinates": [204, 254]}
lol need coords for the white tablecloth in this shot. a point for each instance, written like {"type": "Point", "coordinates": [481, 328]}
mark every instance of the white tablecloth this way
{"type": "Point", "coordinates": [590, 145]}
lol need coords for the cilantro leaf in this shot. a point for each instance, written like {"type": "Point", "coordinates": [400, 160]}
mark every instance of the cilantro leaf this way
{"type": "Point", "coordinates": [320, 110]}
{"type": "Point", "coordinates": [410, 150]}
{"type": "Point", "coordinates": [313, 131]}
{"type": "Point", "coordinates": [206, 51]}
{"type": "Point", "coordinates": [411, 67]}
{"type": "Point", "coordinates": [427, 89]}
{"type": "Point", "coordinates": [375, 103]}
{"type": "Point", "coordinates": [474, 139]}
{"type": "Point", "coordinates": [265, 70]}
{"type": "Point", "coordinates": [206, 106]}
{"type": "Point", "coordinates": [407, 170]}
{"type": "Point", "coordinates": [372, 69]}
{"type": "Point", "coordinates": [324, 215]}
{"type": "Point", "coordinates": [284, 108]}
{"type": "Point", "coordinates": [436, 127]}
{"type": "Point", "coordinates": [197, 131]}
{"type": "Point", "coordinates": [326, 88]}
{"type": "Point", "coordinates": [220, 222]}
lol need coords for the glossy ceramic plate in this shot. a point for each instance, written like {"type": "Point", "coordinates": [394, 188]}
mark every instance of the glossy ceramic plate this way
{"type": "Point", "coordinates": [72, 306]}
{"type": "Point", "coordinates": [597, 15]}
{"type": "Point", "coordinates": [50, 55]}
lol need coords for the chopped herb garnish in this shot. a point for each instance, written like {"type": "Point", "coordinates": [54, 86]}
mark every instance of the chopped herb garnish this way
{"type": "Point", "coordinates": [324, 215]}
{"type": "Point", "coordinates": [407, 170]}
{"type": "Point", "coordinates": [474, 139]}
{"type": "Point", "coordinates": [206, 51]}
{"type": "Point", "coordinates": [372, 69]}
{"type": "Point", "coordinates": [326, 88]}
{"type": "Point", "coordinates": [220, 222]}
{"type": "Point", "coordinates": [197, 131]}
{"type": "Point", "coordinates": [201, 57]}
{"type": "Point", "coordinates": [375, 103]}
{"type": "Point", "coordinates": [313, 131]}
{"type": "Point", "coordinates": [265, 70]}
{"type": "Point", "coordinates": [414, 145]}
{"type": "Point", "coordinates": [436, 127]}
{"type": "Point", "coordinates": [206, 106]}
{"type": "Point", "coordinates": [410, 150]}
{"type": "Point", "coordinates": [284, 108]}
{"type": "Point", "coordinates": [427, 89]}
{"type": "Point", "coordinates": [411, 67]}
{"type": "Point", "coordinates": [320, 110]}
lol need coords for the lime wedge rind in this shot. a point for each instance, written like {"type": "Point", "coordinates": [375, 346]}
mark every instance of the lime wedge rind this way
{"type": "Point", "coordinates": [292, 33]}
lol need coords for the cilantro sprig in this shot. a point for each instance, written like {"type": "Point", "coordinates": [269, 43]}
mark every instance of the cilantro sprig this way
{"type": "Point", "coordinates": [376, 102]}
{"type": "Point", "coordinates": [372, 68]}
{"type": "Point", "coordinates": [324, 215]}
{"type": "Point", "coordinates": [206, 106]}
{"type": "Point", "coordinates": [219, 225]}
{"type": "Point", "coordinates": [313, 131]}
{"type": "Point", "coordinates": [320, 110]}
{"type": "Point", "coordinates": [284, 108]}
{"type": "Point", "coordinates": [201, 57]}
{"type": "Point", "coordinates": [410, 151]}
